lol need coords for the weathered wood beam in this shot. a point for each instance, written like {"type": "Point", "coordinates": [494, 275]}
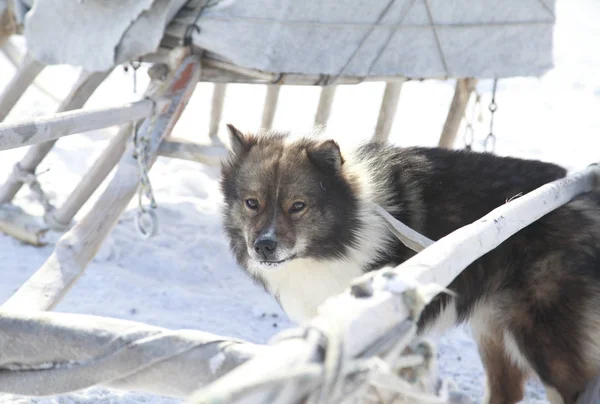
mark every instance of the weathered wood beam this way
{"type": "Point", "coordinates": [46, 288]}
{"type": "Point", "coordinates": [218, 100]}
{"type": "Point", "coordinates": [462, 92]}
{"type": "Point", "coordinates": [44, 129]}
{"type": "Point", "coordinates": [15, 56]}
{"type": "Point", "coordinates": [17, 86]}
{"type": "Point", "coordinates": [185, 150]}
{"type": "Point", "coordinates": [325, 103]}
{"type": "Point", "coordinates": [21, 225]}
{"type": "Point", "coordinates": [61, 218]}
{"type": "Point", "coordinates": [81, 91]}
{"type": "Point", "coordinates": [270, 106]}
{"type": "Point", "coordinates": [258, 76]}
{"type": "Point", "coordinates": [387, 112]}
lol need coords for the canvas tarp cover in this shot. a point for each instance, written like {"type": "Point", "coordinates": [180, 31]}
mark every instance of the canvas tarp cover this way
{"type": "Point", "coordinates": [412, 38]}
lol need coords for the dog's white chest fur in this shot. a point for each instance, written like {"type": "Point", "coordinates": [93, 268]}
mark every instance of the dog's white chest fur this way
{"type": "Point", "coordinates": [303, 284]}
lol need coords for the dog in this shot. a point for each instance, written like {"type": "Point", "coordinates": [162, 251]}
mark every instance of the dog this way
{"type": "Point", "coordinates": [300, 218]}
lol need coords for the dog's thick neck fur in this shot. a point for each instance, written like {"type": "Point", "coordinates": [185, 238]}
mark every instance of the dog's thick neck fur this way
{"type": "Point", "coordinates": [304, 284]}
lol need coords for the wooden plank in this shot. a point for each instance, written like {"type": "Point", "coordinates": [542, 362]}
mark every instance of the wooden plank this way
{"type": "Point", "coordinates": [22, 226]}
{"type": "Point", "coordinates": [44, 129]}
{"type": "Point", "coordinates": [61, 218]}
{"type": "Point", "coordinates": [218, 100]}
{"type": "Point", "coordinates": [462, 92]}
{"type": "Point", "coordinates": [15, 56]}
{"type": "Point", "coordinates": [46, 288]}
{"type": "Point", "coordinates": [81, 91]}
{"type": "Point", "coordinates": [325, 103]}
{"type": "Point", "coordinates": [387, 112]}
{"type": "Point", "coordinates": [270, 107]}
{"type": "Point", "coordinates": [17, 86]}
{"type": "Point", "coordinates": [186, 150]}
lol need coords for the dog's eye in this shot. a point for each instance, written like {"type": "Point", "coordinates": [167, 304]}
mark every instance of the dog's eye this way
{"type": "Point", "coordinates": [252, 203]}
{"type": "Point", "coordinates": [297, 207]}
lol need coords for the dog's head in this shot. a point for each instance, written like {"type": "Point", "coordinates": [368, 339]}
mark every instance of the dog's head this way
{"type": "Point", "coordinates": [286, 200]}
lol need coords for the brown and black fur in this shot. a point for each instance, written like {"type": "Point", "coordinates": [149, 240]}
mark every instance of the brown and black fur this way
{"type": "Point", "coordinates": [535, 300]}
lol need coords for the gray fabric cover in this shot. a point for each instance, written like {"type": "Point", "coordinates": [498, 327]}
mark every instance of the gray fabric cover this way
{"type": "Point", "coordinates": [414, 38]}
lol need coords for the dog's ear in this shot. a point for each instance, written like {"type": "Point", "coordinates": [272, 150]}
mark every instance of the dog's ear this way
{"type": "Point", "coordinates": [239, 142]}
{"type": "Point", "coordinates": [326, 155]}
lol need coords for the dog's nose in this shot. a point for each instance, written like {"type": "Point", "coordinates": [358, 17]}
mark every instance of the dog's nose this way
{"type": "Point", "coordinates": [265, 246]}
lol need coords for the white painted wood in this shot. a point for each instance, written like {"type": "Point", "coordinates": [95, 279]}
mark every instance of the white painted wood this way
{"type": "Point", "coordinates": [218, 100]}
{"type": "Point", "coordinates": [392, 296]}
{"type": "Point", "coordinates": [17, 86]}
{"type": "Point", "coordinates": [15, 56]}
{"type": "Point", "coordinates": [270, 107]}
{"type": "Point", "coordinates": [61, 218]}
{"type": "Point", "coordinates": [46, 288]}
{"type": "Point", "coordinates": [217, 68]}
{"type": "Point", "coordinates": [462, 92]}
{"type": "Point", "coordinates": [387, 112]}
{"type": "Point", "coordinates": [47, 353]}
{"type": "Point", "coordinates": [325, 103]}
{"type": "Point", "coordinates": [81, 91]}
{"type": "Point", "coordinates": [44, 129]}
{"type": "Point", "coordinates": [186, 150]}
{"type": "Point", "coordinates": [451, 254]}
{"type": "Point", "coordinates": [22, 226]}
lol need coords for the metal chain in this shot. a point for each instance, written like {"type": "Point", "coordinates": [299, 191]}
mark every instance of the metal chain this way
{"type": "Point", "coordinates": [135, 65]}
{"type": "Point", "coordinates": [31, 180]}
{"type": "Point", "coordinates": [490, 140]}
{"type": "Point", "coordinates": [469, 135]}
{"type": "Point", "coordinates": [146, 220]}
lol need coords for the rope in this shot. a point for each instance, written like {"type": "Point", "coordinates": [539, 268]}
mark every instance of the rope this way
{"type": "Point", "coordinates": [362, 42]}
{"type": "Point", "coordinates": [389, 38]}
{"type": "Point", "coordinates": [437, 38]}
{"type": "Point", "coordinates": [193, 27]}
{"type": "Point", "coordinates": [31, 180]}
{"type": "Point", "coordinates": [396, 369]}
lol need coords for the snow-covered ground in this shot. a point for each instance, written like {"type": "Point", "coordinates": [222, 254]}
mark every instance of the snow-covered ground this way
{"type": "Point", "coordinates": [185, 277]}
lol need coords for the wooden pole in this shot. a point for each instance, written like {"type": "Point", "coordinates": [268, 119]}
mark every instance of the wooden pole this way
{"type": "Point", "coordinates": [216, 111]}
{"type": "Point", "coordinates": [270, 106]}
{"type": "Point", "coordinates": [462, 92]}
{"type": "Point", "coordinates": [61, 218]}
{"type": "Point", "coordinates": [76, 248]}
{"type": "Point", "coordinates": [387, 112]}
{"type": "Point", "coordinates": [185, 150]}
{"type": "Point", "coordinates": [52, 127]}
{"type": "Point", "coordinates": [16, 87]}
{"type": "Point", "coordinates": [22, 226]}
{"type": "Point", "coordinates": [325, 104]}
{"type": "Point", "coordinates": [77, 97]}
{"type": "Point", "coordinates": [15, 56]}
